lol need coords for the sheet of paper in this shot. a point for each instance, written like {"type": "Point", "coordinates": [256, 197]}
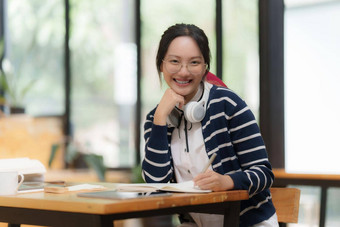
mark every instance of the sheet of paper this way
{"type": "Point", "coordinates": [187, 186]}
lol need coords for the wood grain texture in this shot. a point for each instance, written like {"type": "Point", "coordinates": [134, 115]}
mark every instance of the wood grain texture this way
{"type": "Point", "coordinates": [25, 136]}
{"type": "Point", "coordinates": [287, 203]}
{"type": "Point", "coordinates": [282, 174]}
{"type": "Point", "coordinates": [70, 202]}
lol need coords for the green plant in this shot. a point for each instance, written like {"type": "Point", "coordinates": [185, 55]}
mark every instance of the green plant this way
{"type": "Point", "coordinates": [76, 153]}
{"type": "Point", "coordinates": [12, 87]}
{"type": "Point", "coordinates": [136, 174]}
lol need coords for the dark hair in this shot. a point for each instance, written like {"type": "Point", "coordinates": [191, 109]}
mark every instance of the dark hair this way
{"type": "Point", "coordinates": [183, 30]}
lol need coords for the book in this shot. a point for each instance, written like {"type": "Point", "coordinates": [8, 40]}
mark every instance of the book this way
{"type": "Point", "coordinates": [80, 187]}
{"type": "Point", "coordinates": [33, 170]}
{"type": "Point", "coordinates": [187, 187]}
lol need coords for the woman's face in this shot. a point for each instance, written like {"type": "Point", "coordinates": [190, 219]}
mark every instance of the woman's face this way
{"type": "Point", "coordinates": [183, 67]}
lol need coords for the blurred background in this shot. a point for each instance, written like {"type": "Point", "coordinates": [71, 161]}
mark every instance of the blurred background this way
{"type": "Point", "coordinates": [92, 65]}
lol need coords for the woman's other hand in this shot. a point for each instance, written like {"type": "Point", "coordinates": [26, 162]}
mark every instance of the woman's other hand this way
{"type": "Point", "coordinates": [211, 180]}
{"type": "Point", "coordinates": [169, 100]}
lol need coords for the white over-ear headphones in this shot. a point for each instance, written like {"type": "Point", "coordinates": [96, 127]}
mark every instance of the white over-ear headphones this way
{"type": "Point", "coordinates": [194, 111]}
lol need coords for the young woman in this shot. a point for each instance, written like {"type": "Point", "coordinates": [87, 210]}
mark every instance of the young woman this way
{"type": "Point", "coordinates": [195, 120]}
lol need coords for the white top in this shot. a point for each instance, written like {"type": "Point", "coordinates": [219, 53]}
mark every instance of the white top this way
{"type": "Point", "coordinates": [189, 164]}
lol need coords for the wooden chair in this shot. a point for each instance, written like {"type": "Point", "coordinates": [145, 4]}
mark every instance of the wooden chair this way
{"type": "Point", "coordinates": [286, 202]}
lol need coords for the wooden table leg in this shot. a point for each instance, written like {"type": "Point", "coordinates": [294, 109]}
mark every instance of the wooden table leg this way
{"type": "Point", "coordinates": [106, 221]}
{"type": "Point", "coordinates": [231, 211]}
{"type": "Point", "coordinates": [14, 216]}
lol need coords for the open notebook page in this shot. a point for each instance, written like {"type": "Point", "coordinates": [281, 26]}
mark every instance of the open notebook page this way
{"type": "Point", "coordinates": [187, 186]}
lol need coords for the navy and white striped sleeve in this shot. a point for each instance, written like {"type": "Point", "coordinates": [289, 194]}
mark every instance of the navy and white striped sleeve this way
{"type": "Point", "coordinates": [156, 165]}
{"type": "Point", "coordinates": [256, 174]}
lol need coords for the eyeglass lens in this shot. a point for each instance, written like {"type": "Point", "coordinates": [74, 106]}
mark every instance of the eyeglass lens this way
{"type": "Point", "coordinates": [194, 68]}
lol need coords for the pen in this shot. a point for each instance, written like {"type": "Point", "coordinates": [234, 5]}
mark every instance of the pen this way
{"type": "Point", "coordinates": [212, 158]}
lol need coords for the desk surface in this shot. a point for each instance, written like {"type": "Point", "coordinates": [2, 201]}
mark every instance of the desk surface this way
{"type": "Point", "coordinates": [70, 202]}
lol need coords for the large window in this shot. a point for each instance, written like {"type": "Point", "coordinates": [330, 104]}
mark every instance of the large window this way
{"type": "Point", "coordinates": [312, 97]}
{"type": "Point", "coordinates": [103, 66]}
{"type": "Point", "coordinates": [311, 86]}
{"type": "Point", "coordinates": [241, 53]}
{"type": "Point", "coordinates": [34, 61]}
{"type": "Point", "coordinates": [103, 61]}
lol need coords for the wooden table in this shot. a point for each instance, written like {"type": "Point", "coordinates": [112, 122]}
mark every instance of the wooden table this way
{"type": "Point", "coordinates": [68, 209]}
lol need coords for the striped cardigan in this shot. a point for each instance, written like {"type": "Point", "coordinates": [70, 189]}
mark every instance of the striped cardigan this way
{"type": "Point", "coordinates": [229, 130]}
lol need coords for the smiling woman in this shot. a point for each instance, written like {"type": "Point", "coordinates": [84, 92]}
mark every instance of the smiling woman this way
{"type": "Point", "coordinates": [226, 129]}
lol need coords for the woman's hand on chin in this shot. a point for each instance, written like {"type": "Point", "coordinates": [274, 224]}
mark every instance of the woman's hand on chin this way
{"type": "Point", "coordinates": [169, 100]}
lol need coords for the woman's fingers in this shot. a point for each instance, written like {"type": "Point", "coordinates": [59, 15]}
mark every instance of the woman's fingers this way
{"type": "Point", "coordinates": [168, 102]}
{"type": "Point", "coordinates": [214, 181]}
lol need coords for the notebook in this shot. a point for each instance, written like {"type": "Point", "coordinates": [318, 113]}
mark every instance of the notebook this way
{"type": "Point", "coordinates": [117, 195]}
{"type": "Point", "coordinates": [187, 187]}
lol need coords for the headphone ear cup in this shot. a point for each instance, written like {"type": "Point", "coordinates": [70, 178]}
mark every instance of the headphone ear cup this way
{"type": "Point", "coordinates": [174, 118]}
{"type": "Point", "coordinates": [194, 111]}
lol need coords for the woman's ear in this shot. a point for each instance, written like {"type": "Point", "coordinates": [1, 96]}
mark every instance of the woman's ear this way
{"type": "Point", "coordinates": [161, 67]}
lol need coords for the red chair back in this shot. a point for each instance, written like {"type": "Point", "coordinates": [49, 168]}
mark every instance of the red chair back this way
{"type": "Point", "coordinates": [211, 78]}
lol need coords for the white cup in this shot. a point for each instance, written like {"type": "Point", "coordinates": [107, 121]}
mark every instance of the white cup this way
{"type": "Point", "coordinates": [9, 182]}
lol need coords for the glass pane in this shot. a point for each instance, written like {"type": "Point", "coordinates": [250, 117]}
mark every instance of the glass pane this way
{"type": "Point", "coordinates": [240, 45]}
{"type": "Point", "coordinates": [35, 52]}
{"type": "Point", "coordinates": [104, 79]}
{"type": "Point", "coordinates": [333, 207]}
{"type": "Point", "coordinates": [312, 79]}
{"type": "Point", "coordinates": [309, 211]}
{"type": "Point", "coordinates": [157, 16]}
